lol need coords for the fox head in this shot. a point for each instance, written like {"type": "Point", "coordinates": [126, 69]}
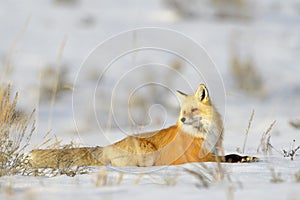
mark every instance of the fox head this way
{"type": "Point", "coordinates": [198, 116]}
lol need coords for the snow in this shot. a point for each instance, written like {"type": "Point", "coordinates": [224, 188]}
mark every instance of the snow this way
{"type": "Point", "coordinates": [270, 38]}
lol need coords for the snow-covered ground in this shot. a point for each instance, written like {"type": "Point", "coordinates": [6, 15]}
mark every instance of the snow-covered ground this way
{"type": "Point", "coordinates": [265, 32]}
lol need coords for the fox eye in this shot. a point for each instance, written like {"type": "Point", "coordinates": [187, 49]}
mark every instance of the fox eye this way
{"type": "Point", "coordinates": [184, 112]}
{"type": "Point", "coordinates": [194, 109]}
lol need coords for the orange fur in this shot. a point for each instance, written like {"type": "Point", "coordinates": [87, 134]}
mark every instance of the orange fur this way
{"type": "Point", "coordinates": [196, 137]}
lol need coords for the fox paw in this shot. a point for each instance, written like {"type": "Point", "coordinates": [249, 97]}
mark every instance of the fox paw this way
{"type": "Point", "coordinates": [234, 158]}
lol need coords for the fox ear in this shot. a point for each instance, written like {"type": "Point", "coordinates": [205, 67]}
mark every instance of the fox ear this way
{"type": "Point", "coordinates": [202, 93]}
{"type": "Point", "coordinates": [181, 95]}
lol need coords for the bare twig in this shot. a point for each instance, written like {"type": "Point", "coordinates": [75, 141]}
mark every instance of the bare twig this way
{"type": "Point", "coordinates": [292, 152]}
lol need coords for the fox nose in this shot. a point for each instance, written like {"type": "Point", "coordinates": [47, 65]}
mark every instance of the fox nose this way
{"type": "Point", "coordinates": [182, 119]}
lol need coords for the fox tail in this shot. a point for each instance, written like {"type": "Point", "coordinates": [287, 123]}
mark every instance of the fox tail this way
{"type": "Point", "coordinates": [65, 158]}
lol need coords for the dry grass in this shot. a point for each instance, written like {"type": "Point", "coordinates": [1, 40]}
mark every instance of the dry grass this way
{"type": "Point", "coordinates": [276, 176]}
{"type": "Point", "coordinates": [295, 123]}
{"type": "Point", "coordinates": [66, 2]}
{"type": "Point", "coordinates": [216, 174]}
{"type": "Point", "coordinates": [105, 179]}
{"type": "Point", "coordinates": [170, 179]}
{"type": "Point", "coordinates": [204, 181]}
{"type": "Point", "coordinates": [181, 8]}
{"type": "Point", "coordinates": [53, 81]}
{"type": "Point", "coordinates": [246, 76]}
{"type": "Point", "coordinates": [51, 172]}
{"type": "Point", "coordinates": [14, 134]}
{"type": "Point", "coordinates": [232, 9]}
{"type": "Point", "coordinates": [297, 177]}
{"type": "Point", "coordinates": [206, 175]}
{"type": "Point", "coordinates": [54, 78]}
{"type": "Point", "coordinates": [9, 60]}
{"type": "Point", "coordinates": [247, 130]}
{"type": "Point", "coordinates": [8, 189]}
{"type": "Point", "coordinates": [220, 9]}
{"type": "Point", "coordinates": [265, 144]}
{"type": "Point", "coordinates": [167, 179]}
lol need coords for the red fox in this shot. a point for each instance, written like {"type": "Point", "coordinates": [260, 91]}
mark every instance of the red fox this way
{"type": "Point", "coordinates": [196, 137]}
